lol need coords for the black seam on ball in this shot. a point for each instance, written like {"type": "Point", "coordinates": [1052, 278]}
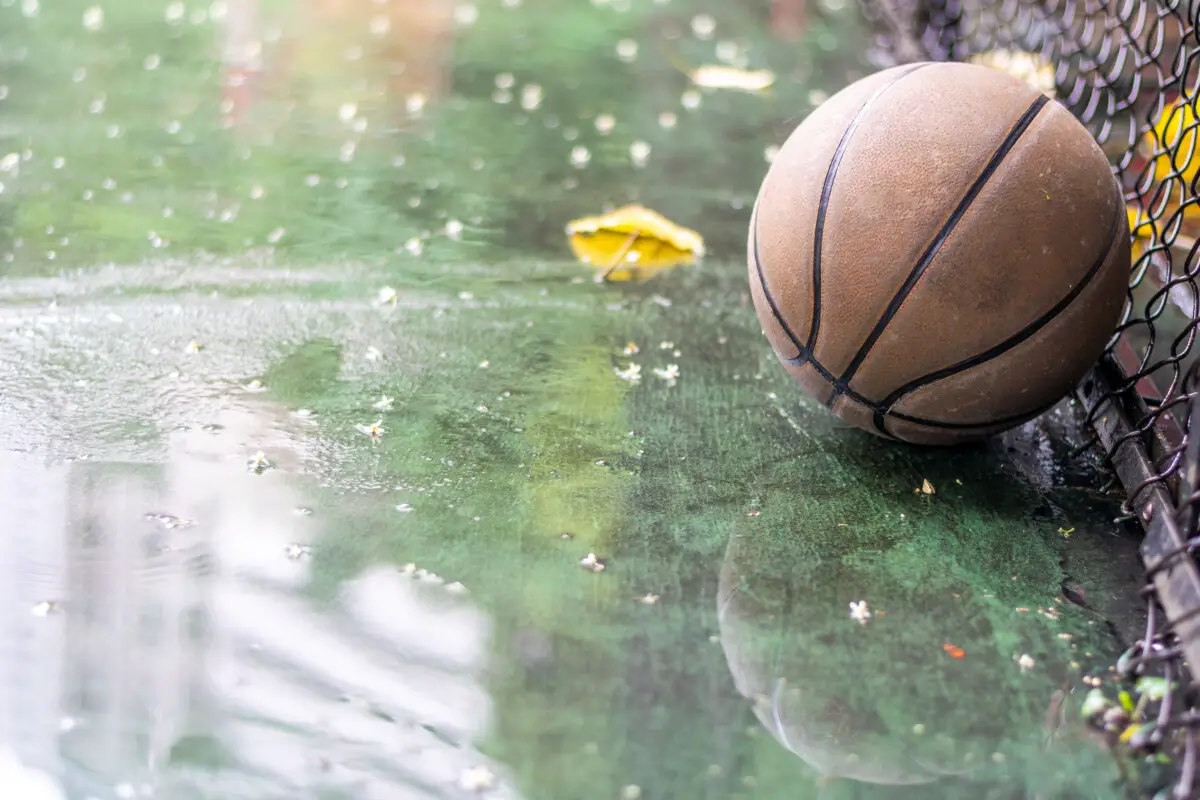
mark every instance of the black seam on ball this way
{"type": "Point", "coordinates": [827, 192]}
{"type": "Point", "coordinates": [801, 351]}
{"type": "Point", "coordinates": [880, 420]}
{"type": "Point", "coordinates": [1020, 336]}
{"type": "Point", "coordinates": [878, 410]}
{"type": "Point", "coordinates": [1009, 420]}
{"type": "Point", "coordinates": [935, 246]}
{"type": "Point", "coordinates": [803, 356]}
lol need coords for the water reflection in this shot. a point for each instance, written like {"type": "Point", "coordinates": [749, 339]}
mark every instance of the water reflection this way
{"type": "Point", "coordinates": [160, 636]}
{"type": "Point", "coordinates": [940, 676]}
{"type": "Point", "coordinates": [31, 647]}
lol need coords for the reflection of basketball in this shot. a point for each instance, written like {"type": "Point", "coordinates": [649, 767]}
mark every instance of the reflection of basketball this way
{"type": "Point", "coordinates": [939, 252]}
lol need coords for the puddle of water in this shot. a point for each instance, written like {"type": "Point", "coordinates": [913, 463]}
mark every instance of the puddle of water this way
{"type": "Point", "coordinates": [160, 637]}
{"type": "Point", "coordinates": [374, 612]}
{"type": "Point", "coordinates": [485, 553]}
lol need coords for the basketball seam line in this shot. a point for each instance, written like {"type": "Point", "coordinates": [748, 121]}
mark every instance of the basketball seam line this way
{"type": "Point", "coordinates": [850, 393]}
{"type": "Point", "coordinates": [933, 423]}
{"type": "Point", "coordinates": [827, 192]}
{"type": "Point", "coordinates": [1020, 336]}
{"type": "Point", "coordinates": [935, 246]}
{"type": "Point", "coordinates": [802, 351]}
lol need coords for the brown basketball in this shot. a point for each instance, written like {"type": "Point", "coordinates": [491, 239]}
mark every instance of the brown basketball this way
{"type": "Point", "coordinates": [939, 252]}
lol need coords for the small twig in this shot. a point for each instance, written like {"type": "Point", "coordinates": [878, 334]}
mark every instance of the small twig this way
{"type": "Point", "coordinates": [619, 258]}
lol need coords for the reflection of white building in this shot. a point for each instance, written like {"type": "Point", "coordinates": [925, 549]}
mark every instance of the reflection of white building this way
{"type": "Point", "coordinates": [131, 665]}
{"type": "Point", "coordinates": [32, 561]}
{"type": "Point", "coordinates": [186, 660]}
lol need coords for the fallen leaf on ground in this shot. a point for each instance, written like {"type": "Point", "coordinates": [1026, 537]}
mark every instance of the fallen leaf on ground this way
{"type": "Point", "coordinates": [754, 81]}
{"type": "Point", "coordinates": [633, 243]}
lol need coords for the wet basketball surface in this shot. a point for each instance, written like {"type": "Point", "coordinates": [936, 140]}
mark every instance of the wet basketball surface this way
{"type": "Point", "coordinates": [272, 531]}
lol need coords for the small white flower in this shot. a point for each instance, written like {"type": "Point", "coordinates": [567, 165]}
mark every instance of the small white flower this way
{"type": "Point", "coordinates": [590, 562]}
{"type": "Point", "coordinates": [373, 354]}
{"type": "Point", "coordinates": [383, 404]}
{"type": "Point", "coordinates": [632, 373]}
{"type": "Point", "coordinates": [297, 552]}
{"type": "Point", "coordinates": [44, 608]}
{"type": "Point", "coordinates": [258, 463]}
{"type": "Point", "coordinates": [375, 430]}
{"type": "Point", "coordinates": [93, 18]}
{"type": "Point", "coordinates": [1025, 662]}
{"type": "Point", "coordinates": [170, 521]}
{"type": "Point", "coordinates": [477, 779]}
{"type": "Point", "coordinates": [387, 296]}
{"type": "Point", "coordinates": [670, 374]}
{"type": "Point", "coordinates": [859, 612]}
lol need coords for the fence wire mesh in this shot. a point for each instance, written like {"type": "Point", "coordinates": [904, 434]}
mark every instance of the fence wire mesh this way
{"type": "Point", "coordinates": [1129, 70]}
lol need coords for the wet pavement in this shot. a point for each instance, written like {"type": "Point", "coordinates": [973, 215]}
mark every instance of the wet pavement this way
{"type": "Point", "coordinates": [325, 472]}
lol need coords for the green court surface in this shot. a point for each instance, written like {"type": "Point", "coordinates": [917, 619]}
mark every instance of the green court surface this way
{"type": "Point", "coordinates": [192, 276]}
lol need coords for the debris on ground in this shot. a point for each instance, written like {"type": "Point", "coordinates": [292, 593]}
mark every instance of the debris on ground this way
{"type": "Point", "coordinates": [633, 243]}
{"type": "Point", "coordinates": [592, 563]}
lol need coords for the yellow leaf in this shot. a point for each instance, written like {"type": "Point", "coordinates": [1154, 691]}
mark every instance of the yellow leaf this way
{"type": "Point", "coordinates": [1150, 233]}
{"type": "Point", "coordinates": [633, 243]}
{"type": "Point", "coordinates": [1172, 142]}
{"type": "Point", "coordinates": [1029, 67]}
{"type": "Point", "coordinates": [1141, 228]}
{"type": "Point", "coordinates": [742, 80]}
{"type": "Point", "coordinates": [1139, 224]}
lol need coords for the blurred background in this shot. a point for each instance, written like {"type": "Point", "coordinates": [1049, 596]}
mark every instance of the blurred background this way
{"type": "Point", "coordinates": [145, 129]}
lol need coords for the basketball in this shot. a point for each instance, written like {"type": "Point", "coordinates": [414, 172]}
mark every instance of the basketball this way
{"type": "Point", "coordinates": [938, 253]}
